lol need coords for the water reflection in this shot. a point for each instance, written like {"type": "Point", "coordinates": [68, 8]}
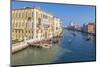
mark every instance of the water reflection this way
{"type": "Point", "coordinates": [36, 55]}
{"type": "Point", "coordinates": [72, 37]}
{"type": "Point", "coordinates": [73, 46]}
{"type": "Point", "coordinates": [88, 37]}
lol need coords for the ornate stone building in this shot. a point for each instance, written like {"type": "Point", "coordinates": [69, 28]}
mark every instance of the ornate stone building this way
{"type": "Point", "coordinates": [32, 23]}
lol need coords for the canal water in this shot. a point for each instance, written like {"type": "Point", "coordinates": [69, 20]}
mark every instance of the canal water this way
{"type": "Point", "coordinates": [72, 47]}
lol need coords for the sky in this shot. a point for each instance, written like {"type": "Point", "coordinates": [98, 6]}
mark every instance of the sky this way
{"type": "Point", "coordinates": [66, 12]}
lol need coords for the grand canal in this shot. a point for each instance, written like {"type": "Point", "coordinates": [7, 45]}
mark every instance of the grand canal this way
{"type": "Point", "coordinates": [71, 47]}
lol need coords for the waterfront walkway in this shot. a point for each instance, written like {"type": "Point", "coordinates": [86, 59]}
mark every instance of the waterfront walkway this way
{"type": "Point", "coordinates": [18, 46]}
{"type": "Point", "coordinates": [32, 42]}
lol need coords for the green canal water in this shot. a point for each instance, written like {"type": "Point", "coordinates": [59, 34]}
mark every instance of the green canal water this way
{"type": "Point", "coordinates": [71, 48]}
